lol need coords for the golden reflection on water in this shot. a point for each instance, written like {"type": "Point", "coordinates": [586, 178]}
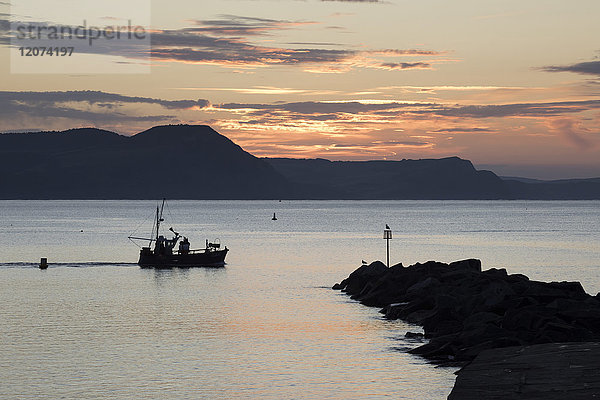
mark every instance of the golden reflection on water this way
{"type": "Point", "coordinates": [121, 332]}
{"type": "Point", "coordinates": [267, 325]}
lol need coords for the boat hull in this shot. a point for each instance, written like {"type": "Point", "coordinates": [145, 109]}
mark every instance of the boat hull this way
{"type": "Point", "coordinates": [212, 258]}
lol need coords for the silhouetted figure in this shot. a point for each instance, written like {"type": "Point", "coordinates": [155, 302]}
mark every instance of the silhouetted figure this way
{"type": "Point", "coordinates": [274, 217]}
{"type": "Point", "coordinates": [184, 246]}
{"type": "Point", "coordinates": [160, 245]}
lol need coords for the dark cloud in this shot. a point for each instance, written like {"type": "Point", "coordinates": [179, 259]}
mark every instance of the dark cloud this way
{"type": "Point", "coordinates": [92, 97]}
{"type": "Point", "coordinates": [402, 143]}
{"type": "Point", "coordinates": [74, 114]}
{"type": "Point", "coordinates": [381, 143]}
{"type": "Point", "coordinates": [87, 39]}
{"type": "Point", "coordinates": [404, 52]}
{"type": "Point", "coordinates": [316, 107]}
{"type": "Point", "coordinates": [347, 145]}
{"type": "Point", "coordinates": [519, 109]}
{"type": "Point", "coordinates": [315, 110]}
{"type": "Point", "coordinates": [243, 54]}
{"type": "Point", "coordinates": [98, 106]}
{"type": "Point", "coordinates": [226, 41]}
{"type": "Point", "coordinates": [314, 44]}
{"type": "Point", "coordinates": [405, 65]}
{"type": "Point", "coordinates": [587, 68]}
{"type": "Point", "coordinates": [191, 46]}
{"type": "Point", "coordinates": [89, 106]}
{"type": "Point", "coordinates": [463, 130]}
{"type": "Point", "coordinates": [235, 25]}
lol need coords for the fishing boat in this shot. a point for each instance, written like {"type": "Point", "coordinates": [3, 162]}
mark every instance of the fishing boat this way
{"type": "Point", "coordinates": [164, 254]}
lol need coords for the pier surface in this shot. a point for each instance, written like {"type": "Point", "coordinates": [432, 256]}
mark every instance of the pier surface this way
{"type": "Point", "coordinates": [545, 371]}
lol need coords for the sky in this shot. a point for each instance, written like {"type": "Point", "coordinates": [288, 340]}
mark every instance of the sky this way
{"type": "Point", "coordinates": [513, 86]}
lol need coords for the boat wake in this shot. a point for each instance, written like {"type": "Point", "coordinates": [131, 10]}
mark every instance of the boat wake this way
{"type": "Point", "coordinates": [66, 264]}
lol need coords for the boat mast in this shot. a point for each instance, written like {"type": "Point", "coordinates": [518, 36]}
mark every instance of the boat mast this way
{"type": "Point", "coordinates": [157, 224]}
{"type": "Point", "coordinates": [159, 218]}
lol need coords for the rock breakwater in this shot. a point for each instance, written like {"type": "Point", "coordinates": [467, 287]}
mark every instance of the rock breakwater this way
{"type": "Point", "coordinates": [464, 310]}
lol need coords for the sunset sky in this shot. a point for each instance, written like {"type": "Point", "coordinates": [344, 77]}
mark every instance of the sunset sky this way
{"type": "Point", "coordinates": [514, 86]}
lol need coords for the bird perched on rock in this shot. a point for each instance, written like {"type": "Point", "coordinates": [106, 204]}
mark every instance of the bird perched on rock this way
{"type": "Point", "coordinates": [364, 262]}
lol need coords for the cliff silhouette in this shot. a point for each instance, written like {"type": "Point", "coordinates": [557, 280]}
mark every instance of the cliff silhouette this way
{"type": "Point", "coordinates": [181, 162]}
{"type": "Point", "coordinates": [196, 162]}
{"type": "Point", "coordinates": [446, 178]}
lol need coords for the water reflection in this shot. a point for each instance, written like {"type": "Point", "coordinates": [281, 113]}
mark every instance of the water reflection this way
{"type": "Point", "coordinates": [267, 325]}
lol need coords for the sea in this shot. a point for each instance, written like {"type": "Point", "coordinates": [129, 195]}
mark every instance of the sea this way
{"type": "Point", "coordinates": [266, 326]}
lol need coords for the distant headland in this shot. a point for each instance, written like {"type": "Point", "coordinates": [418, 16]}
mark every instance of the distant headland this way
{"type": "Point", "coordinates": [196, 162]}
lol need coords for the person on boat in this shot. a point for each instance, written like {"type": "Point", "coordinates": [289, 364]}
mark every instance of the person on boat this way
{"type": "Point", "coordinates": [184, 246]}
{"type": "Point", "coordinates": [170, 244]}
{"type": "Point", "coordinates": [160, 245]}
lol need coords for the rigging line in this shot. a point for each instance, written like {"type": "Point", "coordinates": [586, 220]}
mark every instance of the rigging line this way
{"type": "Point", "coordinates": [170, 215]}
{"type": "Point", "coordinates": [132, 241]}
{"type": "Point", "coordinates": [142, 223]}
{"type": "Point", "coordinates": [138, 228]}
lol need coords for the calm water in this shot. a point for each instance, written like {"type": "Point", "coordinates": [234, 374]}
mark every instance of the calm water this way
{"type": "Point", "coordinates": [266, 326]}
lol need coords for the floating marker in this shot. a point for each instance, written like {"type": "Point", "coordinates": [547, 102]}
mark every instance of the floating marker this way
{"type": "Point", "coordinates": [44, 263]}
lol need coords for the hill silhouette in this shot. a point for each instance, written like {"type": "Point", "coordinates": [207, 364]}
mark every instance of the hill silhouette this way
{"type": "Point", "coordinates": [447, 178]}
{"type": "Point", "coordinates": [196, 162]}
{"type": "Point", "coordinates": [182, 162]}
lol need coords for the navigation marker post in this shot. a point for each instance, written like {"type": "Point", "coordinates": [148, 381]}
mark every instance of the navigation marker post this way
{"type": "Point", "coordinates": [387, 235]}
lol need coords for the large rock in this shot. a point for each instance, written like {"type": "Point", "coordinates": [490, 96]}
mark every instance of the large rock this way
{"type": "Point", "coordinates": [358, 279]}
{"type": "Point", "coordinates": [464, 310]}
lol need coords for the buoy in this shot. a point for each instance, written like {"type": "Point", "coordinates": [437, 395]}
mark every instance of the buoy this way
{"type": "Point", "coordinates": [274, 217]}
{"type": "Point", "coordinates": [44, 263]}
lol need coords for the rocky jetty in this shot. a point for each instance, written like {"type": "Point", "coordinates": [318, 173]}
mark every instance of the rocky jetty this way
{"type": "Point", "coordinates": [464, 310]}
